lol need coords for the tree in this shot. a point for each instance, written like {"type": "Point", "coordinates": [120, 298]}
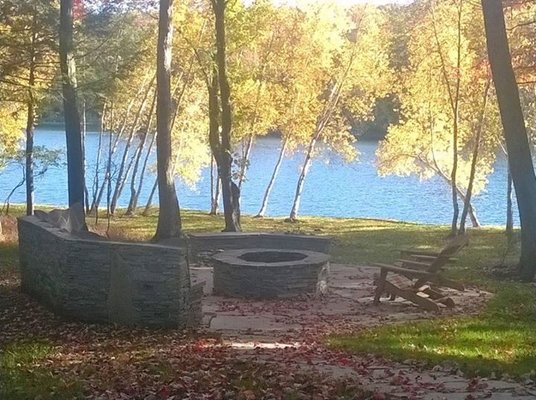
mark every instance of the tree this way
{"type": "Point", "coordinates": [29, 65]}
{"type": "Point", "coordinates": [11, 126]}
{"type": "Point", "coordinates": [220, 127]}
{"type": "Point", "coordinates": [169, 223]}
{"type": "Point", "coordinates": [448, 128]}
{"type": "Point", "coordinates": [42, 159]}
{"type": "Point", "coordinates": [75, 156]}
{"type": "Point", "coordinates": [515, 133]}
{"type": "Point", "coordinates": [117, 54]}
{"type": "Point", "coordinates": [258, 40]}
{"type": "Point", "coordinates": [355, 72]}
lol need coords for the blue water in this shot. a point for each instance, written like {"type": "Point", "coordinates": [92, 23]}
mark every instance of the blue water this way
{"type": "Point", "coordinates": [332, 188]}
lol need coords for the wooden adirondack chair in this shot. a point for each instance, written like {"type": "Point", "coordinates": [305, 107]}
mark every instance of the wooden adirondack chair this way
{"type": "Point", "coordinates": [417, 276]}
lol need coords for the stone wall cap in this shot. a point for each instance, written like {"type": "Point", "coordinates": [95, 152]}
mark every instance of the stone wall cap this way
{"type": "Point", "coordinates": [64, 235]}
{"type": "Point", "coordinates": [219, 235]}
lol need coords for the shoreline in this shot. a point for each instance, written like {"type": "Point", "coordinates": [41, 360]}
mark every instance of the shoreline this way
{"type": "Point", "coordinates": [282, 217]}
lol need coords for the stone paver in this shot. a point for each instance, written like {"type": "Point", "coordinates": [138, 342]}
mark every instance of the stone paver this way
{"type": "Point", "coordinates": [287, 331]}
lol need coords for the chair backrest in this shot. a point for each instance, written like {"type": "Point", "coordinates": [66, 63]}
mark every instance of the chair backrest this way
{"type": "Point", "coordinates": [452, 248]}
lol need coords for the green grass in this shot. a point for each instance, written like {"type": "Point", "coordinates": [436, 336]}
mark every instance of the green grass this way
{"type": "Point", "coordinates": [355, 241]}
{"type": "Point", "coordinates": [23, 375]}
{"type": "Point", "coordinates": [502, 339]}
{"type": "Point", "coordinates": [9, 254]}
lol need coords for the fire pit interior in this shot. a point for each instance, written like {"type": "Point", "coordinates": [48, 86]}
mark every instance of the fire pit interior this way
{"type": "Point", "coordinates": [272, 256]}
{"type": "Point", "coordinates": [269, 273]}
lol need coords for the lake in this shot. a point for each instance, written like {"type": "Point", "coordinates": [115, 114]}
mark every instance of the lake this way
{"type": "Point", "coordinates": [332, 188]}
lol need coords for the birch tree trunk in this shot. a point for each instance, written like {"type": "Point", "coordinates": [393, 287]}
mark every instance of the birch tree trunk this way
{"type": "Point", "coordinates": [214, 188]}
{"type": "Point", "coordinates": [134, 193]}
{"type": "Point", "coordinates": [122, 173]}
{"type": "Point", "coordinates": [301, 179]}
{"type": "Point", "coordinates": [150, 199]}
{"type": "Point", "coordinates": [95, 186]}
{"type": "Point", "coordinates": [275, 172]}
{"type": "Point", "coordinates": [245, 160]}
{"type": "Point", "coordinates": [84, 131]}
{"type": "Point", "coordinates": [509, 208]}
{"type": "Point", "coordinates": [476, 150]}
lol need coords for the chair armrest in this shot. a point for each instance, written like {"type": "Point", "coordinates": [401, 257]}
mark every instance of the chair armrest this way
{"type": "Point", "coordinates": [406, 252]}
{"type": "Point", "coordinates": [404, 271]}
{"type": "Point", "coordinates": [432, 258]}
{"type": "Point", "coordinates": [414, 264]}
{"type": "Point", "coordinates": [424, 257]}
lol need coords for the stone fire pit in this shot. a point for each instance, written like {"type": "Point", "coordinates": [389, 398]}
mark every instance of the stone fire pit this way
{"type": "Point", "coordinates": [269, 273]}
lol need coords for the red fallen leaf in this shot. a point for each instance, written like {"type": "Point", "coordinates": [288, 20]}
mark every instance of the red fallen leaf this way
{"type": "Point", "coordinates": [475, 384]}
{"type": "Point", "coordinates": [248, 395]}
{"type": "Point", "coordinates": [164, 393]}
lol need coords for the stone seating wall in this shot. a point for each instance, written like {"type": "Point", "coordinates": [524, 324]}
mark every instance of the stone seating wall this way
{"type": "Point", "coordinates": [95, 280]}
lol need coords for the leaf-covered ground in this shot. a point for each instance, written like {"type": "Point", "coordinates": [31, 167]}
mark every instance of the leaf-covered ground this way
{"type": "Point", "coordinates": [45, 357]}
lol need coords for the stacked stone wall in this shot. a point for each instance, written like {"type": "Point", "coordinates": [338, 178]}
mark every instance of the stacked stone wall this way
{"type": "Point", "coordinates": [103, 281]}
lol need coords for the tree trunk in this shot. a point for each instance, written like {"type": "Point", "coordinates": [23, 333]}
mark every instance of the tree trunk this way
{"type": "Point", "coordinates": [29, 158]}
{"type": "Point", "coordinates": [275, 172]}
{"type": "Point", "coordinates": [245, 161]}
{"type": "Point", "coordinates": [469, 192]}
{"type": "Point", "coordinates": [476, 150]}
{"type": "Point", "coordinates": [472, 213]}
{"type": "Point", "coordinates": [169, 223]}
{"type": "Point", "coordinates": [150, 199]}
{"type": "Point", "coordinates": [244, 165]}
{"type": "Point", "coordinates": [509, 208]}
{"type": "Point", "coordinates": [517, 144]}
{"type": "Point", "coordinates": [454, 99]}
{"type": "Point", "coordinates": [75, 160]}
{"type": "Point", "coordinates": [30, 121]}
{"type": "Point", "coordinates": [221, 147]}
{"type": "Point", "coordinates": [95, 186]}
{"type": "Point", "coordinates": [455, 133]}
{"type": "Point", "coordinates": [470, 209]}
{"type": "Point", "coordinates": [112, 148]}
{"type": "Point", "coordinates": [215, 209]}
{"type": "Point", "coordinates": [142, 173]}
{"type": "Point", "coordinates": [84, 132]}
{"type": "Point", "coordinates": [7, 202]}
{"type": "Point", "coordinates": [134, 193]}
{"type": "Point", "coordinates": [327, 113]}
{"type": "Point", "coordinates": [214, 188]}
{"type": "Point", "coordinates": [122, 174]}
{"type": "Point", "coordinates": [301, 179]}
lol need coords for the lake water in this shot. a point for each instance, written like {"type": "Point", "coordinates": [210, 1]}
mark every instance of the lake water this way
{"type": "Point", "coordinates": [332, 188]}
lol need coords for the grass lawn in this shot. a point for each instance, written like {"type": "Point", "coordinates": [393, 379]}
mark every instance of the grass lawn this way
{"type": "Point", "coordinates": [501, 340]}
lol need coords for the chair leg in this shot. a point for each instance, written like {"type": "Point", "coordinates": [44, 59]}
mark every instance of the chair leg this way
{"type": "Point", "coordinates": [439, 297]}
{"type": "Point", "coordinates": [422, 302]}
{"type": "Point", "coordinates": [380, 287]}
